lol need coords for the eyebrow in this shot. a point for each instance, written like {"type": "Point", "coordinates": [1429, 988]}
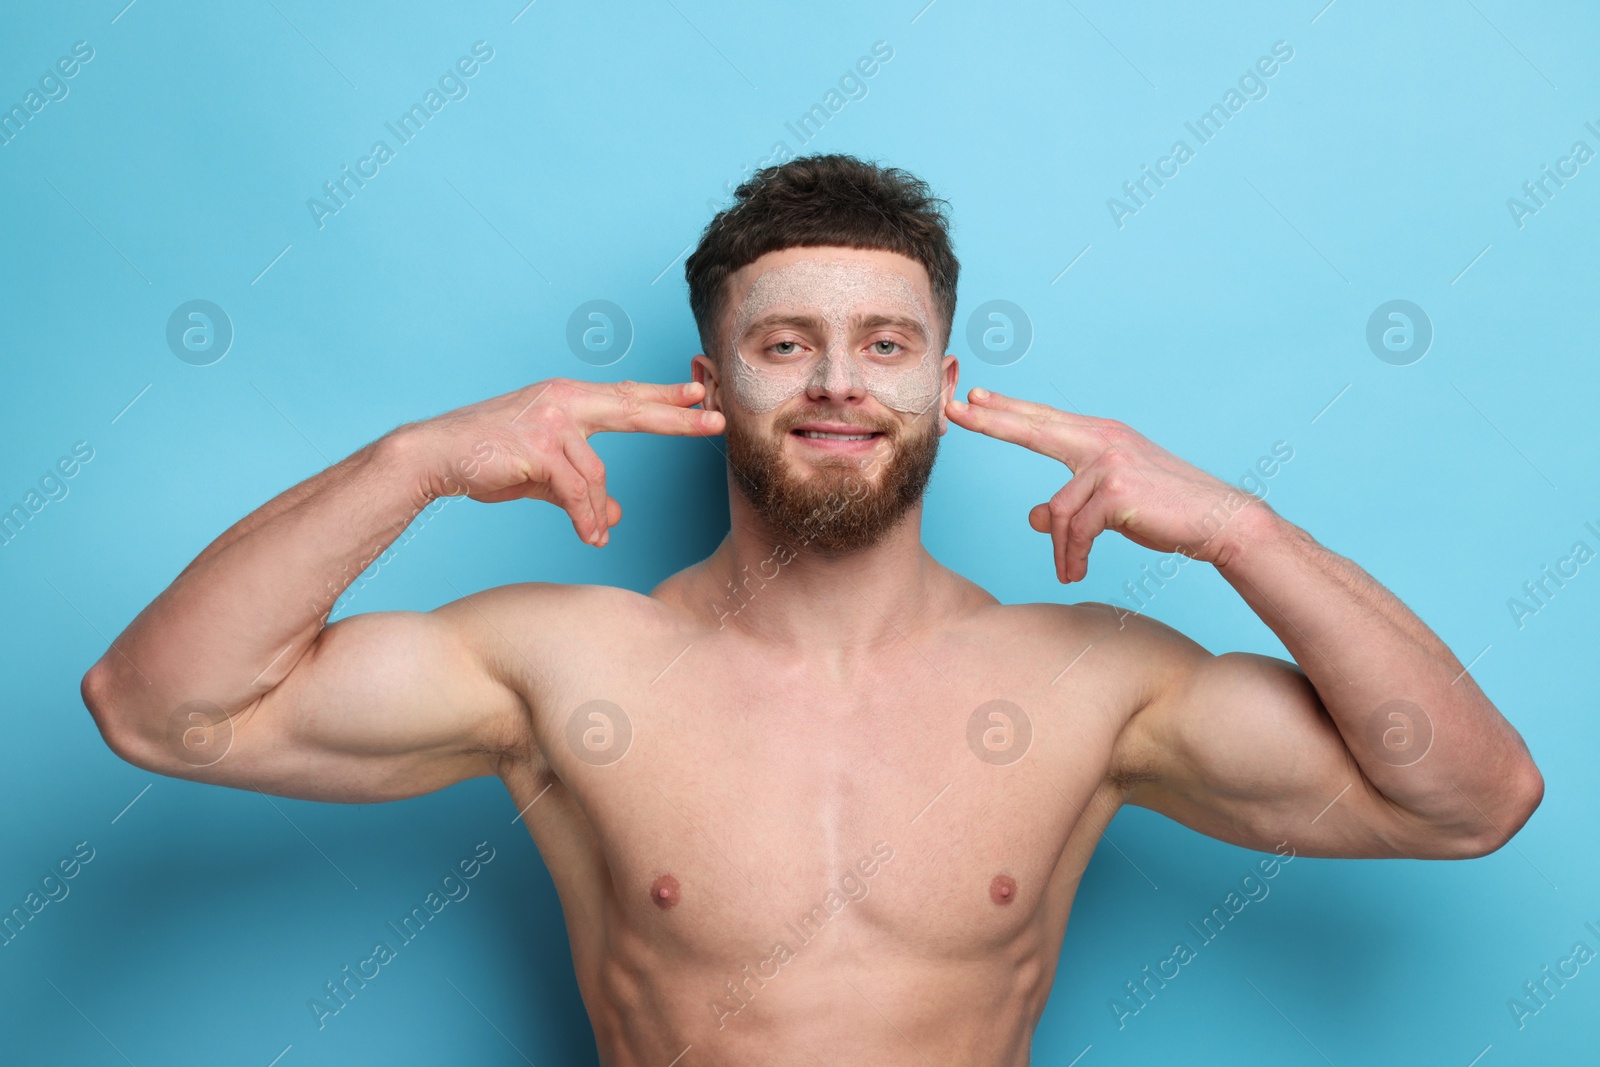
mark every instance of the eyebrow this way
{"type": "Point", "coordinates": [815, 323]}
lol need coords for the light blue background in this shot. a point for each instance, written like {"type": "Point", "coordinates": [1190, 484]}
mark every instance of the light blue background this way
{"type": "Point", "coordinates": [1223, 317]}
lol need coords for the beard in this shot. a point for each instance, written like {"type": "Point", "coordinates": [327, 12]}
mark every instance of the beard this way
{"type": "Point", "coordinates": [838, 508]}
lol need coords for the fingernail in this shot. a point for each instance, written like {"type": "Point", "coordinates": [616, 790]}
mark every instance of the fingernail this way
{"type": "Point", "coordinates": [958, 405]}
{"type": "Point", "coordinates": [978, 394]}
{"type": "Point", "coordinates": [605, 539]}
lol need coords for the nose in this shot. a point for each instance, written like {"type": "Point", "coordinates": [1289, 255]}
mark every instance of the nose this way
{"type": "Point", "coordinates": [836, 377]}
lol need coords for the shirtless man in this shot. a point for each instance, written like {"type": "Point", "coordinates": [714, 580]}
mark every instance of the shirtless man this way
{"type": "Point", "coordinates": [816, 799]}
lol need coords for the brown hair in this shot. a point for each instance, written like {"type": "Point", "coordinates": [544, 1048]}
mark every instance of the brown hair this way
{"type": "Point", "coordinates": [822, 200]}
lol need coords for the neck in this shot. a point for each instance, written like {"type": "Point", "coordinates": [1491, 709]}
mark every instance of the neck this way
{"type": "Point", "coordinates": [770, 586]}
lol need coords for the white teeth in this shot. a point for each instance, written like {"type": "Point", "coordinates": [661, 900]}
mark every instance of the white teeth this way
{"type": "Point", "coordinates": [836, 436]}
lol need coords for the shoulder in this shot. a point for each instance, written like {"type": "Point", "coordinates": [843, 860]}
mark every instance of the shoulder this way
{"type": "Point", "coordinates": [531, 634]}
{"type": "Point", "coordinates": [552, 615]}
{"type": "Point", "coordinates": [1127, 658]}
{"type": "Point", "coordinates": [1134, 640]}
{"type": "Point", "coordinates": [554, 596]}
{"type": "Point", "coordinates": [1110, 657]}
{"type": "Point", "coordinates": [536, 639]}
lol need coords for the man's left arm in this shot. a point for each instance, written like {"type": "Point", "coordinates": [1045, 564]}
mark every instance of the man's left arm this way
{"type": "Point", "coordinates": [1376, 742]}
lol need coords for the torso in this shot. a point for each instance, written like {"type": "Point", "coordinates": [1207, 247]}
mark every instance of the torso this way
{"type": "Point", "coordinates": [799, 861]}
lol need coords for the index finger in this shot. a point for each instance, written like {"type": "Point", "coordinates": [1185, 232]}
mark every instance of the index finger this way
{"type": "Point", "coordinates": [646, 407]}
{"type": "Point", "coordinates": [682, 394]}
{"type": "Point", "coordinates": [1065, 437]}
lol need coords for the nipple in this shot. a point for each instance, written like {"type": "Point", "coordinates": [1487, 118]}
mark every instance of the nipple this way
{"type": "Point", "coordinates": [1003, 890]}
{"type": "Point", "coordinates": [664, 892]}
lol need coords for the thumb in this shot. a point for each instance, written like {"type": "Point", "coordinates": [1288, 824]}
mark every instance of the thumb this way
{"type": "Point", "coordinates": [1039, 518]}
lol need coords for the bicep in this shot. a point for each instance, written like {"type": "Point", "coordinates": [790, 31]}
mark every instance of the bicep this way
{"type": "Point", "coordinates": [1240, 747]}
{"type": "Point", "coordinates": [383, 705]}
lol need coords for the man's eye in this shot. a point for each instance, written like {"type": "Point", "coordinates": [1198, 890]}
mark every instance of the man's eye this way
{"type": "Point", "coordinates": [779, 349]}
{"type": "Point", "coordinates": [892, 346]}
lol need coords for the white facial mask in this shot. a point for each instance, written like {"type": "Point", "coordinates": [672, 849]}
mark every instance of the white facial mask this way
{"type": "Point", "coordinates": [834, 291]}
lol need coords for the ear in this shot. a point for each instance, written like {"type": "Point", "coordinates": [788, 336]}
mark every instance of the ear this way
{"type": "Point", "coordinates": [947, 389]}
{"type": "Point", "coordinates": [703, 369]}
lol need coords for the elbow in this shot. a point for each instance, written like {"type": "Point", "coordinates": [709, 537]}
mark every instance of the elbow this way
{"type": "Point", "coordinates": [120, 735]}
{"type": "Point", "coordinates": [1520, 800]}
{"type": "Point", "coordinates": [95, 691]}
{"type": "Point", "coordinates": [1529, 795]}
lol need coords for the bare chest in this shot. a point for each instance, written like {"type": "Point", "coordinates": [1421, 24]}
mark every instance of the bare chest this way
{"type": "Point", "coordinates": [944, 799]}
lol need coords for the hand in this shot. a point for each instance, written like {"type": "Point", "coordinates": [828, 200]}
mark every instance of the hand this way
{"type": "Point", "coordinates": [533, 442]}
{"type": "Point", "coordinates": [1121, 481]}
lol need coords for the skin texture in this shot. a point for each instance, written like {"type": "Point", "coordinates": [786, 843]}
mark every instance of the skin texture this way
{"type": "Point", "coordinates": [834, 291]}
{"type": "Point", "coordinates": [838, 835]}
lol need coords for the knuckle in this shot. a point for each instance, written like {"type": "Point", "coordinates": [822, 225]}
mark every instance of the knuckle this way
{"type": "Point", "coordinates": [1037, 426]}
{"type": "Point", "coordinates": [1112, 465]}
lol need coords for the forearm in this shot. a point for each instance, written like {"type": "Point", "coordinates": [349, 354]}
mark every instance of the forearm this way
{"type": "Point", "coordinates": [1453, 758]}
{"type": "Point", "coordinates": [239, 617]}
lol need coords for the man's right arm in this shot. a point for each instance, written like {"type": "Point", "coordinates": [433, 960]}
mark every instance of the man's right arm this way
{"type": "Point", "coordinates": [230, 676]}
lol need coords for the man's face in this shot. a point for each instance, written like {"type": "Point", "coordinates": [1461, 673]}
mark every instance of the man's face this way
{"type": "Point", "coordinates": [831, 377]}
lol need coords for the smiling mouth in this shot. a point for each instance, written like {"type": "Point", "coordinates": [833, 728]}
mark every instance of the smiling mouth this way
{"type": "Point", "coordinates": [824, 435]}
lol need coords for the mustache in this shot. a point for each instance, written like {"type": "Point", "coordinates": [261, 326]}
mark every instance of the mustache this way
{"type": "Point", "coordinates": [785, 423]}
